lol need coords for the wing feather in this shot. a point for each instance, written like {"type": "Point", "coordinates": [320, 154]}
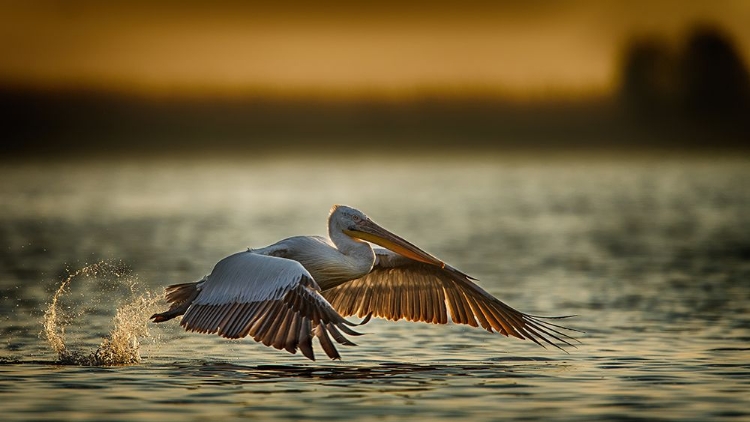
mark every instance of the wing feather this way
{"type": "Point", "coordinates": [292, 337]}
{"type": "Point", "coordinates": [273, 318]}
{"type": "Point", "coordinates": [279, 339]}
{"type": "Point", "coordinates": [258, 318]}
{"type": "Point", "coordinates": [305, 338]}
{"type": "Point", "coordinates": [402, 288]}
{"type": "Point", "coordinates": [479, 314]}
{"type": "Point", "coordinates": [272, 299]}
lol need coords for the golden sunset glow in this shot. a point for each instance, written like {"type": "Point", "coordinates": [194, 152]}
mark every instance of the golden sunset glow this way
{"type": "Point", "coordinates": [233, 48]}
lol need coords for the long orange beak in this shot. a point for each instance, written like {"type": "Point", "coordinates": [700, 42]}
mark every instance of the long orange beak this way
{"type": "Point", "coordinates": [369, 231]}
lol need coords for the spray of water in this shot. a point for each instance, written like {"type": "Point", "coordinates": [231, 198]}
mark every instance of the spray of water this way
{"type": "Point", "coordinates": [98, 287]}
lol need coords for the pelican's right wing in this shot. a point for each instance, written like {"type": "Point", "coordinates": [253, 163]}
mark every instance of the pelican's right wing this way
{"type": "Point", "coordinates": [399, 287]}
{"type": "Point", "coordinates": [273, 300]}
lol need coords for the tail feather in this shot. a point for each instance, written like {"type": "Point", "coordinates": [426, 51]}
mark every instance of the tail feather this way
{"type": "Point", "coordinates": [180, 297]}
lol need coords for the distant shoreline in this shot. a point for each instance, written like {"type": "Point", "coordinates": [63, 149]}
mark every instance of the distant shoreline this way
{"type": "Point", "coordinates": [38, 123]}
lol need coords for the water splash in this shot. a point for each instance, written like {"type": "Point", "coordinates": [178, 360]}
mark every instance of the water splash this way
{"type": "Point", "coordinates": [99, 287]}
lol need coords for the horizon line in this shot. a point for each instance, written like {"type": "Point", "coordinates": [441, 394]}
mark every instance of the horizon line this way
{"type": "Point", "coordinates": [416, 93]}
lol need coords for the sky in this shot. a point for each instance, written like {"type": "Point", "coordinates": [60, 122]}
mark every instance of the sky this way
{"type": "Point", "coordinates": [524, 49]}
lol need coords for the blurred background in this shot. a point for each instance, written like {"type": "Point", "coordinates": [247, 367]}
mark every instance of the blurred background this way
{"type": "Point", "coordinates": [88, 77]}
{"type": "Point", "coordinates": [581, 157]}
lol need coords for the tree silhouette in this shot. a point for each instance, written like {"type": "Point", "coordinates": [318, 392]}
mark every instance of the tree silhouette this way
{"type": "Point", "coordinates": [714, 80]}
{"type": "Point", "coordinates": [648, 84]}
{"type": "Point", "coordinates": [699, 93]}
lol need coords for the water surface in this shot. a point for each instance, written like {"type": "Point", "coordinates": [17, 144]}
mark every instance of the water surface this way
{"type": "Point", "coordinates": [651, 253]}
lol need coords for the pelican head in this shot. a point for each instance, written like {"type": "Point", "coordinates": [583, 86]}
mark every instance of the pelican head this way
{"type": "Point", "coordinates": [355, 224]}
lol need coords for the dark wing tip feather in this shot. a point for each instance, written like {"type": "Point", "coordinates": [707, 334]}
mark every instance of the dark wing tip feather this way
{"type": "Point", "coordinates": [367, 319]}
{"type": "Point", "coordinates": [544, 330]}
{"type": "Point", "coordinates": [321, 333]}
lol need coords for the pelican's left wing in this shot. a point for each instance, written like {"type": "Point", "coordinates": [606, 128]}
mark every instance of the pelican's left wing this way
{"type": "Point", "coordinates": [399, 287]}
{"type": "Point", "coordinates": [273, 300]}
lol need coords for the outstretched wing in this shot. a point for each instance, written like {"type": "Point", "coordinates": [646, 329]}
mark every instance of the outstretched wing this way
{"type": "Point", "coordinates": [273, 300]}
{"type": "Point", "coordinates": [399, 287]}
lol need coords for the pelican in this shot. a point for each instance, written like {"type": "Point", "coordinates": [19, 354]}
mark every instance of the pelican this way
{"type": "Point", "coordinates": [302, 287]}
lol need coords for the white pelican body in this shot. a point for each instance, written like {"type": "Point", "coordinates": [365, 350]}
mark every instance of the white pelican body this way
{"type": "Point", "coordinates": [286, 293]}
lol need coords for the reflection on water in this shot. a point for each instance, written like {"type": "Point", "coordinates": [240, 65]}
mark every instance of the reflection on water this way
{"type": "Point", "coordinates": [652, 255]}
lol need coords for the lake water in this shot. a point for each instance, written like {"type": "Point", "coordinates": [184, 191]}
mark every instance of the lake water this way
{"type": "Point", "coordinates": [651, 253]}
